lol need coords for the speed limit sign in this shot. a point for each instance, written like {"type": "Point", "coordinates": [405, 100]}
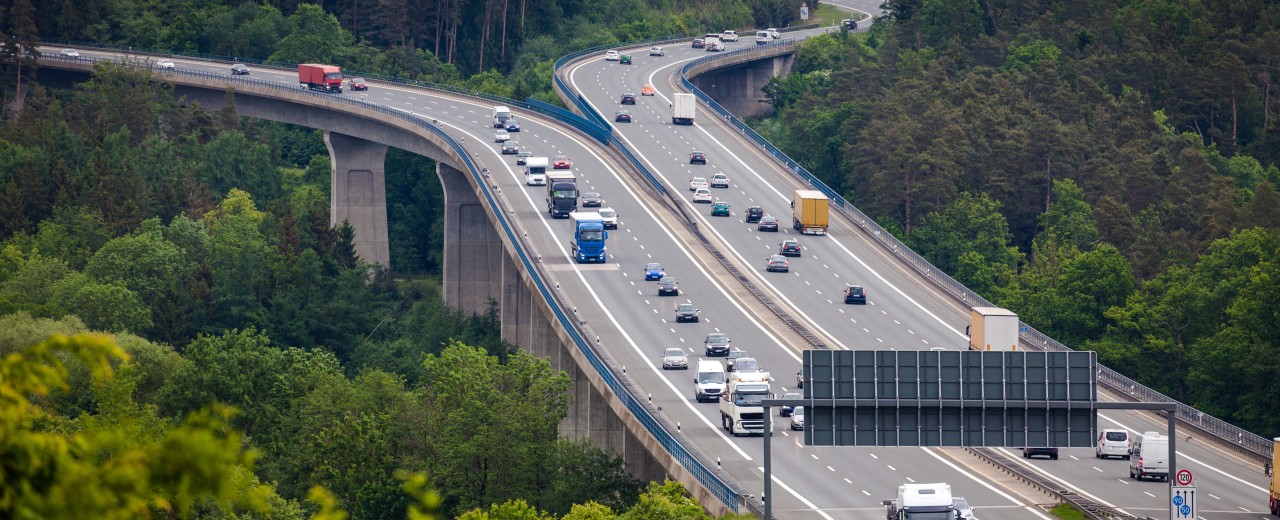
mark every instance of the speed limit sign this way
{"type": "Point", "coordinates": [1183, 478]}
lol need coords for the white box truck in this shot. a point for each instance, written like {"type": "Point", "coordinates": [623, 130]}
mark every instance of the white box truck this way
{"type": "Point", "coordinates": [992, 328]}
{"type": "Point", "coordinates": [500, 116]}
{"type": "Point", "coordinates": [535, 171]}
{"type": "Point", "coordinates": [683, 108]}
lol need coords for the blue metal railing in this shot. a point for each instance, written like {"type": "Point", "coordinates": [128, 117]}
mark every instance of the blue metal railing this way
{"type": "Point", "coordinates": [1245, 440]}
{"type": "Point", "coordinates": [700, 471]}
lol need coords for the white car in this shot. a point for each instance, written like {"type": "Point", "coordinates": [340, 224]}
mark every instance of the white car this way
{"type": "Point", "coordinates": [674, 358]}
{"type": "Point", "coordinates": [612, 56]}
{"type": "Point", "coordinates": [963, 510]}
{"type": "Point", "coordinates": [797, 418]}
{"type": "Point", "coordinates": [702, 195]}
{"type": "Point", "coordinates": [698, 183]}
{"type": "Point", "coordinates": [501, 136]}
{"type": "Point", "coordinates": [773, 33]}
{"type": "Point", "coordinates": [610, 218]}
{"type": "Point", "coordinates": [165, 64]}
{"type": "Point", "coordinates": [719, 180]}
{"type": "Point", "coordinates": [657, 51]}
{"type": "Point", "coordinates": [729, 36]}
{"type": "Point", "coordinates": [70, 53]}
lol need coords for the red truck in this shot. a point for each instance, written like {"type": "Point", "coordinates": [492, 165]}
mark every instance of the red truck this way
{"type": "Point", "coordinates": [320, 77]}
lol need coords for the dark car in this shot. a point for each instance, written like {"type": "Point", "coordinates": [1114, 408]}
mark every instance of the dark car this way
{"type": "Point", "coordinates": [698, 43]}
{"type": "Point", "coordinates": [789, 247]}
{"type": "Point", "coordinates": [628, 98]}
{"type": "Point", "coordinates": [753, 214]}
{"type": "Point", "coordinates": [855, 294]}
{"type": "Point", "coordinates": [786, 410]}
{"type": "Point", "coordinates": [358, 84]}
{"type": "Point", "coordinates": [668, 287]}
{"type": "Point", "coordinates": [592, 199]}
{"type": "Point", "coordinates": [768, 223]}
{"type": "Point", "coordinates": [697, 158]}
{"type": "Point", "coordinates": [732, 361]}
{"type": "Point", "coordinates": [717, 342]}
{"type": "Point", "coordinates": [510, 148]}
{"type": "Point", "coordinates": [800, 379]}
{"type": "Point", "coordinates": [622, 116]}
{"type": "Point", "coordinates": [686, 312]}
{"type": "Point", "coordinates": [523, 156]}
{"type": "Point", "coordinates": [513, 126]}
{"type": "Point", "coordinates": [849, 23]}
{"type": "Point", "coordinates": [778, 263]}
{"type": "Point", "coordinates": [239, 69]}
{"type": "Point", "coordinates": [1052, 453]}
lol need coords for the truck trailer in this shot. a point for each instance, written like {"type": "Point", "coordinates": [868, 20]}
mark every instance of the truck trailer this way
{"type": "Point", "coordinates": [921, 502]}
{"type": "Point", "coordinates": [325, 78]}
{"type": "Point", "coordinates": [588, 237]}
{"type": "Point", "coordinates": [992, 328]}
{"type": "Point", "coordinates": [809, 212]}
{"type": "Point", "coordinates": [741, 408]}
{"type": "Point", "coordinates": [562, 194]}
{"type": "Point", "coordinates": [683, 108]}
{"type": "Point", "coordinates": [1271, 472]}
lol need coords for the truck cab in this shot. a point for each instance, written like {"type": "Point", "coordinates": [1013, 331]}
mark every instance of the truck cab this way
{"type": "Point", "coordinates": [588, 237]}
{"type": "Point", "coordinates": [921, 502]}
{"type": "Point", "coordinates": [741, 408]}
{"type": "Point", "coordinates": [500, 116]}
{"type": "Point", "coordinates": [535, 171]}
{"type": "Point", "coordinates": [562, 194]}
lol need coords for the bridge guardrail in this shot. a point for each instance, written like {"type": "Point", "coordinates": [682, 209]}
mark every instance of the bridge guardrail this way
{"type": "Point", "coordinates": [691, 460]}
{"type": "Point", "coordinates": [1246, 441]}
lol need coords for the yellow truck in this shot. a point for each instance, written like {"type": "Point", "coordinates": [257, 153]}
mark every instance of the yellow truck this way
{"type": "Point", "coordinates": [1271, 472]}
{"type": "Point", "coordinates": [809, 212]}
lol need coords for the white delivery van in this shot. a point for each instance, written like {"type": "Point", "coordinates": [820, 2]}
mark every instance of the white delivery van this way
{"type": "Point", "coordinates": [1149, 457]}
{"type": "Point", "coordinates": [763, 37]}
{"type": "Point", "coordinates": [710, 383]}
{"type": "Point", "coordinates": [535, 171]}
{"type": "Point", "coordinates": [1112, 443]}
{"type": "Point", "coordinates": [500, 116]}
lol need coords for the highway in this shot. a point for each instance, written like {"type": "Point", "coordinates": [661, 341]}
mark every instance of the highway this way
{"type": "Point", "coordinates": [635, 325]}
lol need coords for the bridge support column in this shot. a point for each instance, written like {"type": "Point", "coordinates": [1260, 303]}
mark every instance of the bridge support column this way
{"type": "Point", "coordinates": [473, 253]}
{"type": "Point", "coordinates": [359, 193]}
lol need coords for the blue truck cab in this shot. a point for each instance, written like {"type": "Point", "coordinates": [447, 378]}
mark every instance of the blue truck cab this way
{"type": "Point", "coordinates": [588, 237]}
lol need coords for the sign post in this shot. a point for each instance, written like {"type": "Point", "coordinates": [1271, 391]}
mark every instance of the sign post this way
{"type": "Point", "coordinates": [804, 11]}
{"type": "Point", "coordinates": [1183, 503]}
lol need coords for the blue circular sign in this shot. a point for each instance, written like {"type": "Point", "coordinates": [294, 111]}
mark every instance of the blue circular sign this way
{"type": "Point", "coordinates": [1177, 501]}
{"type": "Point", "coordinates": [1185, 510]}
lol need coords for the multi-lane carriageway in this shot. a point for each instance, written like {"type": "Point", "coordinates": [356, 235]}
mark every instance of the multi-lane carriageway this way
{"type": "Point", "coordinates": [635, 325]}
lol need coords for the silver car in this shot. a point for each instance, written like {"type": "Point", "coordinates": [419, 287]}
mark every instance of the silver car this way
{"type": "Point", "coordinates": [963, 510]}
{"type": "Point", "coordinates": [657, 51]}
{"type": "Point", "coordinates": [674, 358]}
{"type": "Point", "coordinates": [797, 418]}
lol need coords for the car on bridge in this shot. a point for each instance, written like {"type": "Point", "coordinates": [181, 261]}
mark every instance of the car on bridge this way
{"type": "Point", "coordinates": [797, 418]}
{"type": "Point", "coordinates": [746, 364]}
{"type": "Point", "coordinates": [702, 195]}
{"type": "Point", "coordinates": [1052, 453]}
{"type": "Point", "coordinates": [657, 51]}
{"type": "Point", "coordinates": [778, 263]}
{"type": "Point", "coordinates": [668, 287]}
{"type": "Point", "coordinates": [720, 209]}
{"type": "Point", "coordinates": [501, 136]}
{"type": "Point", "coordinates": [719, 180]}
{"type": "Point", "coordinates": [239, 69]}
{"type": "Point", "coordinates": [654, 271]}
{"type": "Point", "coordinates": [628, 98]}
{"type": "Point", "coordinates": [698, 183]}
{"type": "Point", "coordinates": [729, 36]}
{"type": "Point", "coordinates": [687, 312]}
{"type": "Point", "coordinates": [785, 411]}
{"type": "Point", "coordinates": [510, 148]}
{"type": "Point", "coordinates": [717, 344]}
{"type": "Point", "coordinates": [561, 162]}
{"type": "Point", "coordinates": [789, 247]}
{"type": "Point", "coordinates": [768, 223]}
{"type": "Point", "coordinates": [592, 199]}
{"type": "Point", "coordinates": [773, 33]}
{"type": "Point", "coordinates": [963, 510]}
{"type": "Point", "coordinates": [612, 56]}
{"type": "Point", "coordinates": [513, 126]}
{"type": "Point", "coordinates": [165, 64]}
{"type": "Point", "coordinates": [625, 59]}
{"type": "Point", "coordinates": [523, 157]}
{"type": "Point", "coordinates": [610, 218]}
{"type": "Point", "coordinates": [358, 84]}
{"type": "Point", "coordinates": [70, 53]}
{"type": "Point", "coordinates": [732, 360]}
{"type": "Point", "coordinates": [697, 157]}
{"type": "Point", "coordinates": [622, 116]}
{"type": "Point", "coordinates": [675, 358]}
{"type": "Point", "coordinates": [754, 213]}
{"type": "Point", "coordinates": [800, 379]}
{"type": "Point", "coordinates": [698, 43]}
{"type": "Point", "coordinates": [647, 90]}
{"type": "Point", "coordinates": [855, 294]}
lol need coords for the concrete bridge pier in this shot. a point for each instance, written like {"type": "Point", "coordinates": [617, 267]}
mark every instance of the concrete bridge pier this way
{"type": "Point", "coordinates": [359, 193]}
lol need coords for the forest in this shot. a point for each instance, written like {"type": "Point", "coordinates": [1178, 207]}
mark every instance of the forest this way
{"type": "Point", "coordinates": [1106, 169]}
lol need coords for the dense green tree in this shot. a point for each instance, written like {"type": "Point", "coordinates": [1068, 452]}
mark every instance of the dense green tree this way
{"type": "Point", "coordinates": [1069, 217]}
{"type": "Point", "coordinates": [314, 37]}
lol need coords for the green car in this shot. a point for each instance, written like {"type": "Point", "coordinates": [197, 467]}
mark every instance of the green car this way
{"type": "Point", "coordinates": [720, 209]}
{"type": "Point", "coordinates": [625, 59]}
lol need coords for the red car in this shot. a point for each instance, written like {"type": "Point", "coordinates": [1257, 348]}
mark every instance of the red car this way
{"type": "Point", "coordinates": [561, 162]}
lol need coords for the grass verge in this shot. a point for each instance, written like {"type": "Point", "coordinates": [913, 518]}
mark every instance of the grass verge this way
{"type": "Point", "coordinates": [1066, 511]}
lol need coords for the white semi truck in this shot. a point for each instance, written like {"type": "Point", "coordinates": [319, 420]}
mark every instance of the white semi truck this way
{"type": "Point", "coordinates": [921, 502]}
{"type": "Point", "coordinates": [741, 408]}
{"type": "Point", "coordinates": [992, 328]}
{"type": "Point", "coordinates": [683, 108]}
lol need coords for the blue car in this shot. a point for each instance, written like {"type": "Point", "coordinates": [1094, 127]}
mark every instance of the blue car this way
{"type": "Point", "coordinates": [653, 271]}
{"type": "Point", "coordinates": [513, 126]}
